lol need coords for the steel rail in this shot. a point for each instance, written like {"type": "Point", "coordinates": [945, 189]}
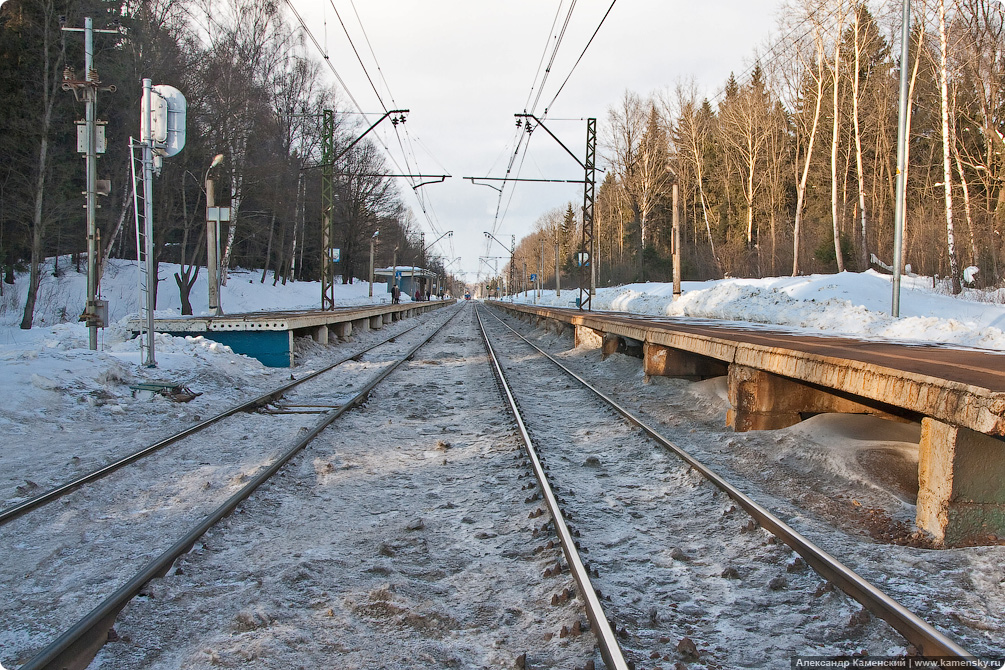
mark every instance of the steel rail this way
{"type": "Point", "coordinates": [609, 648]}
{"type": "Point", "coordinates": [15, 511]}
{"type": "Point", "coordinates": [77, 646]}
{"type": "Point", "coordinates": [925, 637]}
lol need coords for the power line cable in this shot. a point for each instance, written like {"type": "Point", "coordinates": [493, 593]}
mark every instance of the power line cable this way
{"type": "Point", "coordinates": [580, 56]}
{"type": "Point", "coordinates": [358, 58]}
{"type": "Point", "coordinates": [324, 54]}
{"type": "Point", "coordinates": [544, 54]}
{"type": "Point", "coordinates": [424, 204]}
{"type": "Point", "coordinates": [554, 54]}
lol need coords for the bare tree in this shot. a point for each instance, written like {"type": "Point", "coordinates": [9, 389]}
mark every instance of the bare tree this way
{"type": "Point", "coordinates": [690, 133]}
{"type": "Point", "coordinates": [947, 139]}
{"type": "Point", "coordinates": [836, 125]}
{"type": "Point", "coordinates": [744, 127]}
{"type": "Point", "coordinates": [859, 169]}
{"type": "Point", "coordinates": [803, 78]}
{"type": "Point", "coordinates": [53, 50]}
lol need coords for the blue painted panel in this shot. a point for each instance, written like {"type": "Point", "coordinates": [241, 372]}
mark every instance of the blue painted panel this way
{"type": "Point", "coordinates": [271, 347]}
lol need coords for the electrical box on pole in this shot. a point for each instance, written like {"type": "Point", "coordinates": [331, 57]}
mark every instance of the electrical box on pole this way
{"type": "Point", "coordinates": [90, 142]}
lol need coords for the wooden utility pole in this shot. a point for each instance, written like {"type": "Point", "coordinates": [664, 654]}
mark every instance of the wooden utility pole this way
{"type": "Point", "coordinates": [558, 271]}
{"type": "Point", "coordinates": [676, 245]}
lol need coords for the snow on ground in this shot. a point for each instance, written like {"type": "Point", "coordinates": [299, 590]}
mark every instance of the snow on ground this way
{"type": "Point", "coordinates": [51, 378]}
{"type": "Point", "coordinates": [75, 408]}
{"type": "Point", "coordinates": [76, 401]}
{"type": "Point", "coordinates": [849, 303]}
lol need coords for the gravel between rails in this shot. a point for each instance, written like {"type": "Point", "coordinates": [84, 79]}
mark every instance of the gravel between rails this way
{"type": "Point", "coordinates": [675, 556]}
{"type": "Point", "coordinates": [399, 539]}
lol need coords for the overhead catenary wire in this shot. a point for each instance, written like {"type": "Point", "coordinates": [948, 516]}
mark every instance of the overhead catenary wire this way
{"type": "Point", "coordinates": [497, 223]}
{"type": "Point", "coordinates": [324, 55]}
{"type": "Point", "coordinates": [566, 81]}
{"type": "Point", "coordinates": [521, 136]}
{"type": "Point", "coordinates": [544, 54]}
{"type": "Point", "coordinates": [424, 205]}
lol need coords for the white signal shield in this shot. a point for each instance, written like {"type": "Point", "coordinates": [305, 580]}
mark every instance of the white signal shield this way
{"type": "Point", "coordinates": [167, 119]}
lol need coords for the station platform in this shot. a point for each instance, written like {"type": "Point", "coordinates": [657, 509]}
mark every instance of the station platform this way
{"type": "Point", "coordinates": [268, 336]}
{"type": "Point", "coordinates": [777, 377]}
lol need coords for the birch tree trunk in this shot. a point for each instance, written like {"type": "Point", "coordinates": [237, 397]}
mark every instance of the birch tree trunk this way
{"type": "Point", "coordinates": [801, 190]}
{"type": "Point", "coordinates": [947, 170]}
{"type": "Point", "coordinates": [907, 132]}
{"type": "Point", "coordinates": [864, 256]}
{"type": "Point", "coordinates": [835, 219]}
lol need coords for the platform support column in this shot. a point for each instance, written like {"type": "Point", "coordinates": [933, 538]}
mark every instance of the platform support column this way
{"type": "Point", "coordinates": [961, 484]}
{"type": "Point", "coordinates": [343, 330]}
{"type": "Point", "coordinates": [609, 345]}
{"type": "Point", "coordinates": [321, 335]}
{"type": "Point", "coordinates": [376, 322]}
{"type": "Point", "coordinates": [588, 337]}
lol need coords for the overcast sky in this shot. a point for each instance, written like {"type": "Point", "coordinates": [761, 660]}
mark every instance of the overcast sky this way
{"type": "Point", "coordinates": [464, 67]}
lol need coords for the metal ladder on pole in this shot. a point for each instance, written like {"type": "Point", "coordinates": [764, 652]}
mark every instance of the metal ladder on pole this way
{"type": "Point", "coordinates": [139, 212]}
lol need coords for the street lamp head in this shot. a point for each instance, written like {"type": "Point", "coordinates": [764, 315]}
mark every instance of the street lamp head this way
{"type": "Point", "coordinates": [376, 233]}
{"type": "Point", "coordinates": [216, 161]}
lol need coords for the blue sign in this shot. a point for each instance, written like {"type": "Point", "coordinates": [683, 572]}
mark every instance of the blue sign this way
{"type": "Point", "coordinates": [397, 275]}
{"type": "Point", "coordinates": [533, 277]}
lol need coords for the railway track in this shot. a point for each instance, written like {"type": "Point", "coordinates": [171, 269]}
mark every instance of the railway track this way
{"type": "Point", "coordinates": [401, 537]}
{"type": "Point", "coordinates": [424, 529]}
{"type": "Point", "coordinates": [705, 562]}
{"type": "Point", "coordinates": [34, 502]}
{"type": "Point", "coordinates": [94, 551]}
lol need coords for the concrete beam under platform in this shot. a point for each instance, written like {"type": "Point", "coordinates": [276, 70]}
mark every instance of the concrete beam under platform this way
{"type": "Point", "coordinates": [662, 361]}
{"type": "Point", "coordinates": [761, 400]}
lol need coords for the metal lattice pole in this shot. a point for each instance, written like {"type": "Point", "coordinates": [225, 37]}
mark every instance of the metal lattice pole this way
{"type": "Point", "coordinates": [327, 205]}
{"type": "Point", "coordinates": [586, 266]}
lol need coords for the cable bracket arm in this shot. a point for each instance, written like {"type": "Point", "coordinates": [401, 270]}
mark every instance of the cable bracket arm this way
{"type": "Point", "coordinates": [567, 149]}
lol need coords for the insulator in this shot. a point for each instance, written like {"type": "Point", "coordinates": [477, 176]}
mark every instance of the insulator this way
{"type": "Point", "coordinates": [519, 122]}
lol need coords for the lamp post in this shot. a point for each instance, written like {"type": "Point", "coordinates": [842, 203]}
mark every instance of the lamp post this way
{"type": "Point", "coordinates": [213, 217]}
{"type": "Point", "coordinates": [373, 241]}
